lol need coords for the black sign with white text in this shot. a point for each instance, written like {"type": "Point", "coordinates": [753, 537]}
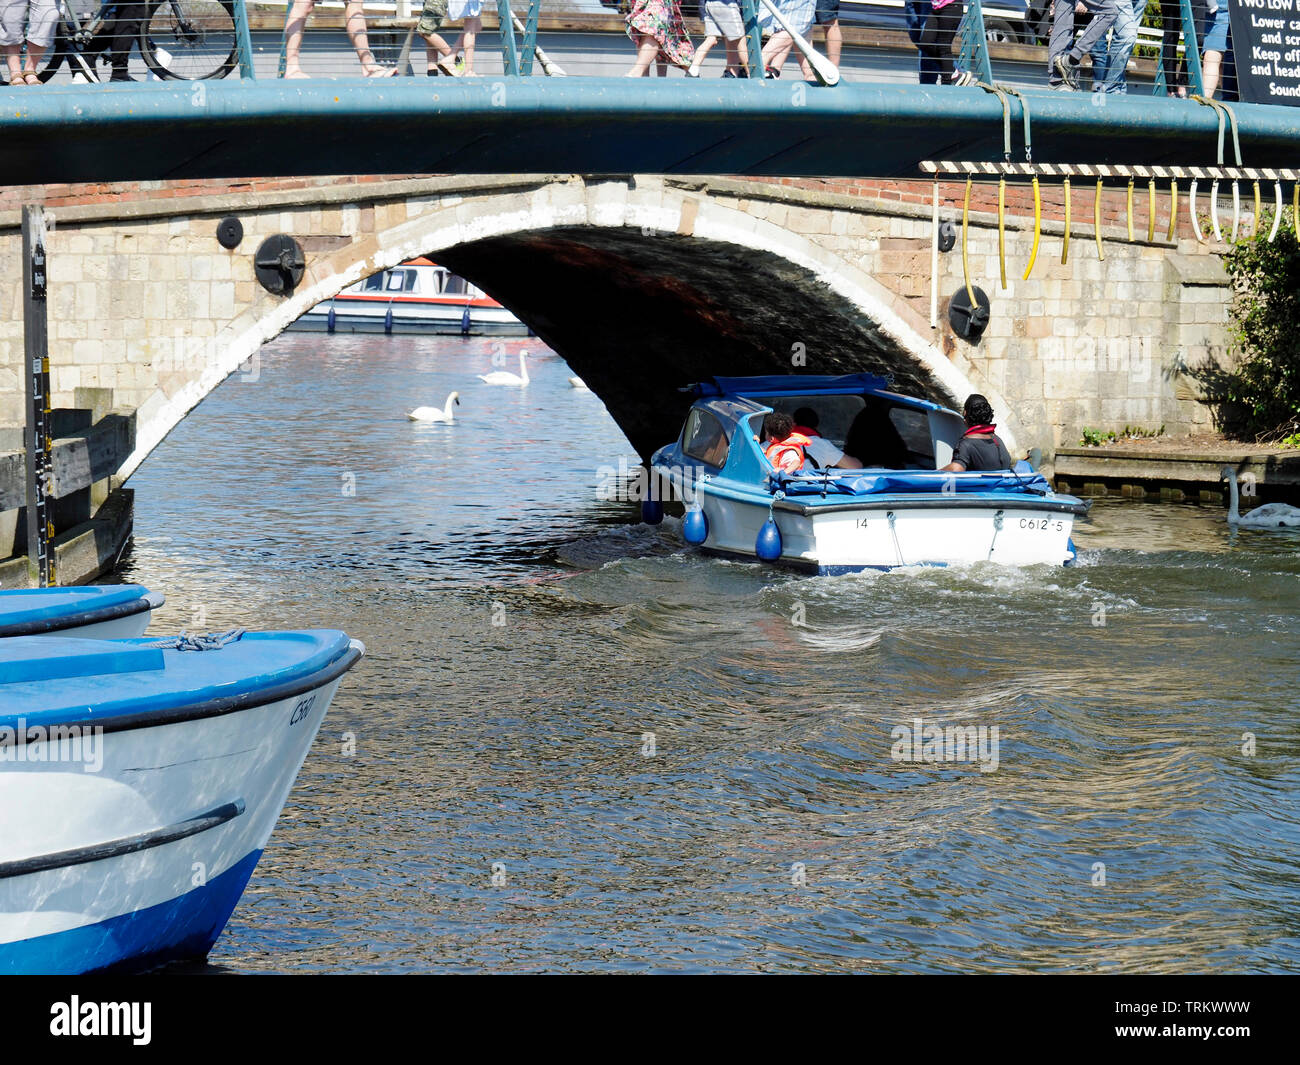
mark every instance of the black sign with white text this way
{"type": "Point", "coordinates": [1266, 43]}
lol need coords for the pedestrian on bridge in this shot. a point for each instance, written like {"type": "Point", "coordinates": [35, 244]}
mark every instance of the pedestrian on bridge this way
{"type": "Point", "coordinates": [469, 13]}
{"type": "Point", "coordinates": [722, 18]}
{"type": "Point", "coordinates": [657, 30]}
{"type": "Point", "coordinates": [40, 18]}
{"type": "Point", "coordinates": [1064, 53]}
{"type": "Point", "coordinates": [1110, 58]}
{"type": "Point", "coordinates": [354, 19]}
{"type": "Point", "coordinates": [800, 14]}
{"type": "Point", "coordinates": [437, 52]}
{"type": "Point", "coordinates": [937, 37]}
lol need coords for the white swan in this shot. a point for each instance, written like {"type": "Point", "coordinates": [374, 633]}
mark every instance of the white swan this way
{"type": "Point", "coordinates": [578, 383]}
{"type": "Point", "coordinates": [502, 377]}
{"type": "Point", "coordinates": [433, 414]}
{"type": "Point", "coordinates": [1269, 516]}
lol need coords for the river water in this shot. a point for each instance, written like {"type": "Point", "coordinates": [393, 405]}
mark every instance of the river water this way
{"type": "Point", "coordinates": [576, 745]}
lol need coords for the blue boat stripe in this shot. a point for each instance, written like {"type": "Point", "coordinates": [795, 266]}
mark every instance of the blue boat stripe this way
{"type": "Point", "coordinates": [227, 704]}
{"type": "Point", "coordinates": [955, 502]}
{"type": "Point", "coordinates": [39, 626]}
{"type": "Point", "coordinates": [98, 852]}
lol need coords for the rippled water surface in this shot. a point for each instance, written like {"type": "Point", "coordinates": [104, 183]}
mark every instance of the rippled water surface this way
{"type": "Point", "coordinates": [764, 824]}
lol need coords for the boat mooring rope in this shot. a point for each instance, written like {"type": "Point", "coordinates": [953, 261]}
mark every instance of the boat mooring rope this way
{"type": "Point", "coordinates": [200, 642]}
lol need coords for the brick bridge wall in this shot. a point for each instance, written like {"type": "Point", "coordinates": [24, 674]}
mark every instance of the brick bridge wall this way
{"type": "Point", "coordinates": [145, 302]}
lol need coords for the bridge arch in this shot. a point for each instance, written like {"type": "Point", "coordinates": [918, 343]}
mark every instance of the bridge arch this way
{"type": "Point", "coordinates": [640, 284]}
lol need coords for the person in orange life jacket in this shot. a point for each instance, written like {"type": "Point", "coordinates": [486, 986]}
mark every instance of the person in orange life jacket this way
{"type": "Point", "coordinates": [783, 446]}
{"type": "Point", "coordinates": [820, 451]}
{"type": "Point", "coordinates": [979, 448]}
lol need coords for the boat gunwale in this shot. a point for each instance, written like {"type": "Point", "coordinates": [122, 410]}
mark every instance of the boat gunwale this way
{"type": "Point", "coordinates": [96, 616]}
{"type": "Point", "coordinates": [213, 707]}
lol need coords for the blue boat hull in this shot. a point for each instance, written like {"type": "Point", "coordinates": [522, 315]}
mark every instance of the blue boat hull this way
{"type": "Point", "coordinates": [179, 929]}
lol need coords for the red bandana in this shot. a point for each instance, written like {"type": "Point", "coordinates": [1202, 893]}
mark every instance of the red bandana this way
{"type": "Point", "coordinates": [980, 430]}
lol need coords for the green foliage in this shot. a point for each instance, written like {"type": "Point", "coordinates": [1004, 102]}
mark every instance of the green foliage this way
{"type": "Point", "coordinates": [1291, 441]}
{"type": "Point", "coordinates": [1260, 397]}
{"type": "Point", "coordinates": [1097, 437]}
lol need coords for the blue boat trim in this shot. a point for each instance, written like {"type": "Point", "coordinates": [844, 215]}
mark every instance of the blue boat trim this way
{"type": "Point", "coordinates": [180, 928]}
{"type": "Point", "coordinates": [98, 852]}
{"type": "Point", "coordinates": [113, 611]}
{"type": "Point", "coordinates": [954, 502]}
{"type": "Point", "coordinates": [228, 704]}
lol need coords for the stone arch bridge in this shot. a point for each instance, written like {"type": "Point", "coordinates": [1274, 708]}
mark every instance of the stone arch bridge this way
{"type": "Point", "coordinates": [642, 284]}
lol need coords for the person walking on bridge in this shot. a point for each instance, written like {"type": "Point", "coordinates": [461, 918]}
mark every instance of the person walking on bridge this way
{"type": "Point", "coordinates": [41, 17]}
{"type": "Point", "coordinates": [657, 30]}
{"type": "Point", "coordinates": [354, 19]}
{"type": "Point", "coordinates": [1065, 57]}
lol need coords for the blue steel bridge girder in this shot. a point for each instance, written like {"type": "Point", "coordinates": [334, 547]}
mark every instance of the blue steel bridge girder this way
{"type": "Point", "coordinates": [589, 125]}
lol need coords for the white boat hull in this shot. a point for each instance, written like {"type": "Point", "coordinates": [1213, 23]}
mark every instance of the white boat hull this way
{"type": "Point", "coordinates": [438, 319]}
{"type": "Point", "coordinates": [849, 538]}
{"type": "Point", "coordinates": [218, 781]}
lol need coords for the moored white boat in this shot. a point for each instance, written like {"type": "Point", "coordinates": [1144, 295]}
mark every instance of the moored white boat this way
{"type": "Point", "coordinates": [840, 520]}
{"type": "Point", "coordinates": [418, 296]}
{"type": "Point", "coordinates": [96, 611]}
{"type": "Point", "coordinates": [139, 783]}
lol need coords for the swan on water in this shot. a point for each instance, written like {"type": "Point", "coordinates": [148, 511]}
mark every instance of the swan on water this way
{"type": "Point", "coordinates": [433, 414]}
{"type": "Point", "coordinates": [579, 383]}
{"type": "Point", "coordinates": [502, 377]}
{"type": "Point", "coordinates": [1269, 516]}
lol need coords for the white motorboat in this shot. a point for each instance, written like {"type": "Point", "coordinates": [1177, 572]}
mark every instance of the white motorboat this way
{"type": "Point", "coordinates": [139, 783]}
{"type": "Point", "coordinates": [905, 512]}
{"type": "Point", "coordinates": [419, 296]}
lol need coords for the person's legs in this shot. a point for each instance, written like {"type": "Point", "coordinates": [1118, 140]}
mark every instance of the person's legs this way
{"type": "Point", "coordinates": [1210, 63]}
{"type": "Point", "coordinates": [933, 36]}
{"type": "Point", "coordinates": [1171, 14]}
{"type": "Point", "coordinates": [1061, 37]}
{"type": "Point", "coordinates": [293, 28]}
{"type": "Point", "coordinates": [646, 50]}
{"type": "Point", "coordinates": [435, 45]}
{"type": "Point", "coordinates": [1215, 44]}
{"type": "Point", "coordinates": [125, 32]}
{"type": "Point", "coordinates": [1123, 38]}
{"type": "Point", "coordinates": [354, 20]}
{"type": "Point", "coordinates": [703, 50]}
{"type": "Point", "coordinates": [1104, 13]}
{"type": "Point", "coordinates": [469, 37]}
{"type": "Point", "coordinates": [776, 50]}
{"type": "Point", "coordinates": [827, 16]}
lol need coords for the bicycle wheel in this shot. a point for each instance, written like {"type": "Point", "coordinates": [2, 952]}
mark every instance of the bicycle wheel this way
{"type": "Point", "coordinates": [189, 40]}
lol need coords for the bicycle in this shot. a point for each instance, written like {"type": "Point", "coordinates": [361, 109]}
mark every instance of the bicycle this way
{"type": "Point", "coordinates": [184, 40]}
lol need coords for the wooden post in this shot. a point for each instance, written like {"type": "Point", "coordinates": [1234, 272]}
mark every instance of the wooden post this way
{"type": "Point", "coordinates": [37, 377]}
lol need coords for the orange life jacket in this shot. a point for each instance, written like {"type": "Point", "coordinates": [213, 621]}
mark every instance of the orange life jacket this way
{"type": "Point", "coordinates": [787, 454]}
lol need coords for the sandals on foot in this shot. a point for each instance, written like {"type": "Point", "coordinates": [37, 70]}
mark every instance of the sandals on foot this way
{"type": "Point", "coordinates": [30, 77]}
{"type": "Point", "coordinates": [448, 66]}
{"type": "Point", "coordinates": [381, 72]}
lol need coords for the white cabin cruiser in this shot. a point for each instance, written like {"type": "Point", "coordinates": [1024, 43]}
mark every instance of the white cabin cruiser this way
{"type": "Point", "coordinates": [419, 296]}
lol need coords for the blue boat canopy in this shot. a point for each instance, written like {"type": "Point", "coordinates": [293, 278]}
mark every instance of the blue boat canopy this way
{"type": "Point", "coordinates": [790, 384]}
{"type": "Point", "coordinates": [862, 483]}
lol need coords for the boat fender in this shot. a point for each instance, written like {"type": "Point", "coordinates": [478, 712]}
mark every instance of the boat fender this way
{"type": "Point", "coordinates": [695, 526]}
{"type": "Point", "coordinates": [1073, 551]}
{"type": "Point", "coordinates": [652, 511]}
{"type": "Point", "coordinates": [768, 543]}
{"type": "Point", "coordinates": [330, 320]}
{"type": "Point", "coordinates": [388, 322]}
{"type": "Point", "coordinates": [464, 321]}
